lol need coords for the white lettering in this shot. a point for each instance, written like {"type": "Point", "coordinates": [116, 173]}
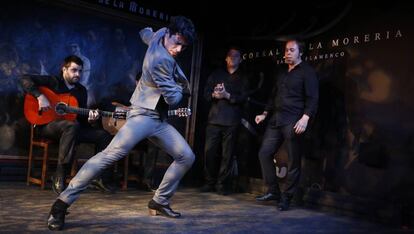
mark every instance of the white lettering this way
{"type": "Point", "coordinates": [366, 38]}
{"type": "Point", "coordinates": [319, 46]}
{"type": "Point", "coordinates": [277, 52]}
{"type": "Point", "coordinates": [356, 40]}
{"type": "Point", "coordinates": [345, 41]}
{"type": "Point", "coordinates": [310, 46]}
{"type": "Point", "coordinates": [133, 6]}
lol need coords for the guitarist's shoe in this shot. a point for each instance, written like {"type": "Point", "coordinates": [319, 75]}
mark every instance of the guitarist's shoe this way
{"type": "Point", "coordinates": [284, 202]}
{"type": "Point", "coordinates": [58, 184]}
{"type": "Point", "coordinates": [101, 186]}
{"type": "Point", "coordinates": [268, 197]}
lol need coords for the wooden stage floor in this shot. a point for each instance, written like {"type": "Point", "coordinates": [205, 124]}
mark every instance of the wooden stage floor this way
{"type": "Point", "coordinates": [24, 209]}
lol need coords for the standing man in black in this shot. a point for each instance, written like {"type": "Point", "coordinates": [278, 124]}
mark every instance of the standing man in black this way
{"type": "Point", "coordinates": [226, 90]}
{"type": "Point", "coordinates": [292, 103]}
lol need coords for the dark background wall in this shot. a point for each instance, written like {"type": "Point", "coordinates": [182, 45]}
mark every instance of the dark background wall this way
{"type": "Point", "coordinates": [36, 37]}
{"type": "Point", "coordinates": [364, 130]}
{"type": "Point", "coordinates": [361, 142]}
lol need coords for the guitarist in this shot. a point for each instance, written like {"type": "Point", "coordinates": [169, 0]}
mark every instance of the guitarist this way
{"type": "Point", "coordinates": [67, 132]}
{"type": "Point", "coordinates": [162, 84]}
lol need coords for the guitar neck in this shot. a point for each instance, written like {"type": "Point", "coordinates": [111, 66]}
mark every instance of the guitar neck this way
{"type": "Point", "coordinates": [84, 111]}
{"type": "Point", "coordinates": [172, 113]}
{"type": "Point", "coordinates": [179, 111]}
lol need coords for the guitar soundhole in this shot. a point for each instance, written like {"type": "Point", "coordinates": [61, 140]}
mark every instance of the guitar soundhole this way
{"type": "Point", "coordinates": [60, 108]}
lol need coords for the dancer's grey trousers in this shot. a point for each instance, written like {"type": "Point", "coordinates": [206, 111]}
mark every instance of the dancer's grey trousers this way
{"type": "Point", "coordinates": [137, 127]}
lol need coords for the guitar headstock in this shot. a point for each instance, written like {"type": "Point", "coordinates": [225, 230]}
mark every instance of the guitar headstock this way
{"type": "Point", "coordinates": [182, 112]}
{"type": "Point", "coordinates": [119, 114]}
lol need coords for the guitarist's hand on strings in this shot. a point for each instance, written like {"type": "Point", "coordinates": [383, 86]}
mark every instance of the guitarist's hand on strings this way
{"type": "Point", "coordinates": [93, 115]}
{"type": "Point", "coordinates": [44, 104]}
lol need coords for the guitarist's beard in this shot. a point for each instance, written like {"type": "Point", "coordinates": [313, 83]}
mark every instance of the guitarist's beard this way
{"type": "Point", "coordinates": [73, 80]}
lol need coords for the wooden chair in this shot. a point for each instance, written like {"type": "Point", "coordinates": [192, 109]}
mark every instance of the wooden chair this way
{"type": "Point", "coordinates": [127, 176]}
{"type": "Point", "coordinates": [44, 144]}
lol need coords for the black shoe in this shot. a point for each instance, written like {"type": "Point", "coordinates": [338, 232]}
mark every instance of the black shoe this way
{"type": "Point", "coordinates": [268, 197]}
{"type": "Point", "coordinates": [101, 186]}
{"type": "Point", "coordinates": [144, 187]}
{"type": "Point", "coordinates": [56, 217]}
{"type": "Point", "coordinates": [165, 210]}
{"type": "Point", "coordinates": [284, 203]}
{"type": "Point", "coordinates": [207, 188]}
{"type": "Point", "coordinates": [147, 187]}
{"type": "Point", "coordinates": [58, 184]}
{"type": "Point", "coordinates": [223, 190]}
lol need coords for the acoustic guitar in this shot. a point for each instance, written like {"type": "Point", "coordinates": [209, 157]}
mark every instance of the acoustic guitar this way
{"type": "Point", "coordinates": [65, 106]}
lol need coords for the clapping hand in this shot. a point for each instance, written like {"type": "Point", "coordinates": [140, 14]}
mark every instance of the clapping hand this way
{"type": "Point", "coordinates": [220, 92]}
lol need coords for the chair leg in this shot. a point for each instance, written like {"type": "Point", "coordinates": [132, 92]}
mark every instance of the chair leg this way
{"type": "Point", "coordinates": [29, 165]}
{"type": "Point", "coordinates": [126, 166]}
{"type": "Point", "coordinates": [44, 166]}
{"type": "Point", "coordinates": [74, 168]}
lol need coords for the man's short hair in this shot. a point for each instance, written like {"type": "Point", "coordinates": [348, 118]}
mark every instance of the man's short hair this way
{"type": "Point", "coordinates": [234, 47]}
{"type": "Point", "coordinates": [300, 43]}
{"type": "Point", "coordinates": [184, 26]}
{"type": "Point", "coordinates": [72, 58]}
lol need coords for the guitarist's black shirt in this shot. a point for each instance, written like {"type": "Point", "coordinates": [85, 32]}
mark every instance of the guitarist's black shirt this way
{"type": "Point", "coordinates": [30, 84]}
